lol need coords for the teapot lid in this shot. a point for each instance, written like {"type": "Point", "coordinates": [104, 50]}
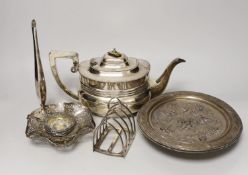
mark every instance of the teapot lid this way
{"type": "Point", "coordinates": [114, 67]}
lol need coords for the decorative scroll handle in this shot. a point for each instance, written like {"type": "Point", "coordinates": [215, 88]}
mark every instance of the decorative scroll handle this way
{"type": "Point", "coordinates": [69, 55]}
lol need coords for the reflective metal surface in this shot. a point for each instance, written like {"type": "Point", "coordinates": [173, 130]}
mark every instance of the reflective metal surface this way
{"type": "Point", "coordinates": [40, 83]}
{"type": "Point", "coordinates": [114, 75]}
{"type": "Point", "coordinates": [116, 132]}
{"type": "Point", "coordinates": [59, 124]}
{"type": "Point", "coordinates": [189, 122]}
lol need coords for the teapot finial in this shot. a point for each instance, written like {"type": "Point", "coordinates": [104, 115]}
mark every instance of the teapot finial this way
{"type": "Point", "coordinates": [114, 53]}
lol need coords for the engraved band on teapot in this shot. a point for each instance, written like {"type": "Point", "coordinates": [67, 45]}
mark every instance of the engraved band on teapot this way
{"type": "Point", "coordinates": [120, 93]}
{"type": "Point", "coordinates": [113, 85]}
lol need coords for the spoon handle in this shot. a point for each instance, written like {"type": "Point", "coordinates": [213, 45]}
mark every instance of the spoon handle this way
{"type": "Point", "coordinates": [40, 83]}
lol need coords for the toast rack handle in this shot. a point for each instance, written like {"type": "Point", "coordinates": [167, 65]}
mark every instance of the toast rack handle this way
{"type": "Point", "coordinates": [53, 55]}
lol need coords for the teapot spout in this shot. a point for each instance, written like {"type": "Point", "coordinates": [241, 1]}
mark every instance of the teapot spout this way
{"type": "Point", "coordinates": [162, 81]}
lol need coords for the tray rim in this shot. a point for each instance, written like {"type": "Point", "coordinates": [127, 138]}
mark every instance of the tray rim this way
{"type": "Point", "coordinates": [227, 108]}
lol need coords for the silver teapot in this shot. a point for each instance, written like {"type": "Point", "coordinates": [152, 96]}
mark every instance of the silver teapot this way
{"type": "Point", "coordinates": [114, 75]}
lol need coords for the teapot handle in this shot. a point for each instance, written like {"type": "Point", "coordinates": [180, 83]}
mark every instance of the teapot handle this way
{"type": "Point", "coordinates": [53, 55]}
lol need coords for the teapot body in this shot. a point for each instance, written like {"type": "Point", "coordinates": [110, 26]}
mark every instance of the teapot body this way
{"type": "Point", "coordinates": [97, 89]}
{"type": "Point", "coordinates": [98, 103]}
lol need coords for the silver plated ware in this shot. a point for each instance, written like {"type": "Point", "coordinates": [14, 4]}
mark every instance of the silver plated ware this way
{"type": "Point", "coordinates": [114, 75]}
{"type": "Point", "coordinates": [190, 122]}
{"type": "Point", "coordinates": [116, 132]}
{"type": "Point", "coordinates": [59, 124]}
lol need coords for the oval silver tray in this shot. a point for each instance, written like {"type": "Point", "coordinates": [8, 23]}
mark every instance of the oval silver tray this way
{"type": "Point", "coordinates": [189, 122]}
